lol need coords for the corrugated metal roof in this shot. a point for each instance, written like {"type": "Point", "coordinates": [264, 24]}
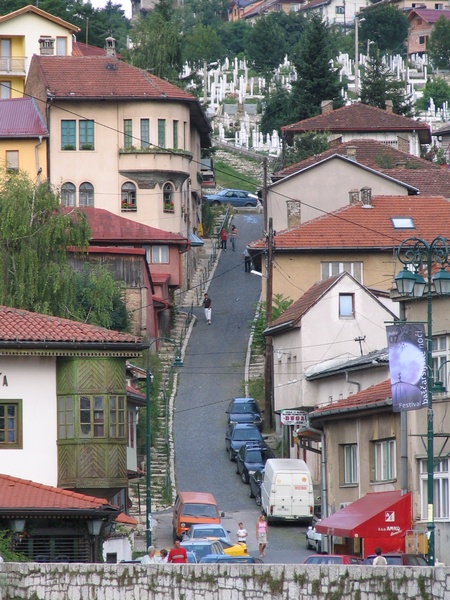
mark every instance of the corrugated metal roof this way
{"type": "Point", "coordinates": [20, 118]}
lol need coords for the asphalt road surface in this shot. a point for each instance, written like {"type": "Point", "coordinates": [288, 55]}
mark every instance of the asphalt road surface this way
{"type": "Point", "coordinates": [213, 374]}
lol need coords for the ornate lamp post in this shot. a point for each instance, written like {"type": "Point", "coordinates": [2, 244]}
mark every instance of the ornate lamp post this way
{"type": "Point", "coordinates": [148, 379]}
{"type": "Point", "coordinates": [417, 253]}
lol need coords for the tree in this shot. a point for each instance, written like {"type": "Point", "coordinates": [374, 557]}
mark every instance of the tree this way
{"type": "Point", "coordinates": [157, 43]}
{"type": "Point", "coordinates": [234, 36]}
{"type": "Point", "coordinates": [317, 79]}
{"type": "Point", "coordinates": [35, 273]}
{"type": "Point", "coordinates": [387, 26]}
{"type": "Point", "coordinates": [306, 145]}
{"type": "Point", "coordinates": [266, 34]}
{"type": "Point", "coordinates": [436, 89]}
{"type": "Point", "coordinates": [203, 44]}
{"type": "Point", "coordinates": [277, 110]}
{"type": "Point", "coordinates": [439, 44]}
{"type": "Point", "coordinates": [279, 305]}
{"type": "Point", "coordinates": [379, 84]}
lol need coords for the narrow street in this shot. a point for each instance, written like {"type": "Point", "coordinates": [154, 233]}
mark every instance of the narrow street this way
{"type": "Point", "coordinates": [213, 374]}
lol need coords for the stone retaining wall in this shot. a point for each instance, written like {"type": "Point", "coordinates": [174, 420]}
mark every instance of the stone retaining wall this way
{"type": "Point", "coordinates": [33, 581]}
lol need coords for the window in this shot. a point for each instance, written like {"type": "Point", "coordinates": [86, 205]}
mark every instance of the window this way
{"type": "Point", "coordinates": [86, 129]}
{"type": "Point", "coordinates": [127, 133]}
{"type": "Point", "coordinates": [440, 489]}
{"type": "Point", "coordinates": [117, 416]}
{"type": "Point", "coordinates": [12, 160]}
{"type": "Point", "coordinates": [131, 428]}
{"type": "Point", "coordinates": [61, 46]}
{"type": "Point", "coordinates": [92, 416]}
{"type": "Point", "coordinates": [86, 194]}
{"type": "Point", "coordinates": [402, 223]}
{"type": "Point", "coordinates": [160, 254]}
{"type": "Point", "coordinates": [423, 40]}
{"type": "Point", "coordinates": [346, 306]}
{"type": "Point", "coordinates": [384, 460]}
{"type": "Point", "coordinates": [175, 135]}
{"type": "Point", "coordinates": [5, 90]}
{"type": "Point", "coordinates": [350, 464]}
{"type": "Point", "coordinates": [5, 51]}
{"type": "Point", "coordinates": [68, 192]}
{"type": "Point", "coordinates": [168, 198]}
{"type": "Point", "coordinates": [440, 357]}
{"type": "Point", "coordinates": [145, 133]}
{"type": "Point", "coordinates": [162, 133]}
{"type": "Point", "coordinates": [128, 195]}
{"type": "Point", "coordinates": [438, 7]}
{"type": "Point", "coordinates": [329, 269]}
{"type": "Point", "coordinates": [68, 135]}
{"type": "Point", "coordinates": [10, 424]}
{"type": "Point", "coordinates": [340, 10]}
{"type": "Point", "coordinates": [65, 418]}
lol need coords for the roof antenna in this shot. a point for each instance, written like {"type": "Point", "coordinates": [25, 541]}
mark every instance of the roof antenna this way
{"type": "Point", "coordinates": [360, 339]}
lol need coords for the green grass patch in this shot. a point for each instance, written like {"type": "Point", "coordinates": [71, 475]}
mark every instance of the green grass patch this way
{"type": "Point", "coordinates": [228, 177]}
{"type": "Point", "coordinates": [256, 391]}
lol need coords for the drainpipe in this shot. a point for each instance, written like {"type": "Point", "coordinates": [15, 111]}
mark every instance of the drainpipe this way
{"type": "Point", "coordinates": [352, 382]}
{"type": "Point", "coordinates": [38, 168]}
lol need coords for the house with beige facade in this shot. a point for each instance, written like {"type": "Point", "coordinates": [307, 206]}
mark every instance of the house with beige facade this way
{"type": "Point", "coordinates": [26, 32]}
{"type": "Point", "coordinates": [342, 175]}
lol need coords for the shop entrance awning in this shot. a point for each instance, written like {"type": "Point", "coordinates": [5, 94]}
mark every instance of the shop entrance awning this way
{"type": "Point", "coordinates": [375, 515]}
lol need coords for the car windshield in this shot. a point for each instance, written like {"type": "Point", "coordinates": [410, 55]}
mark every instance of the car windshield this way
{"type": "Point", "coordinates": [200, 510]}
{"type": "Point", "coordinates": [200, 550]}
{"type": "Point", "coordinates": [254, 456]}
{"type": "Point", "coordinates": [243, 408]}
{"type": "Point", "coordinates": [245, 434]}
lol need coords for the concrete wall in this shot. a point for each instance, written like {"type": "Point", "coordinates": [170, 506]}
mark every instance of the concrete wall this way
{"type": "Point", "coordinates": [225, 582]}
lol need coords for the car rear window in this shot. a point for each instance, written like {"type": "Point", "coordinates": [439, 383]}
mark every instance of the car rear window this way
{"type": "Point", "coordinates": [324, 560]}
{"type": "Point", "coordinates": [245, 434]}
{"type": "Point", "coordinates": [244, 408]}
{"type": "Point", "coordinates": [200, 533]}
{"type": "Point", "coordinates": [200, 510]}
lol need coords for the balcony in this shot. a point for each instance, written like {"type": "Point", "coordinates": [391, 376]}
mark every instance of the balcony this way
{"type": "Point", "coordinates": [150, 166]}
{"type": "Point", "coordinates": [12, 65]}
{"type": "Point", "coordinates": [128, 207]}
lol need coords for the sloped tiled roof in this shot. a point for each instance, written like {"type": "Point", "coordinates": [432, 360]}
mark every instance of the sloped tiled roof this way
{"type": "Point", "coordinates": [295, 312]}
{"type": "Point", "coordinates": [356, 227]}
{"type": "Point", "coordinates": [105, 77]}
{"type": "Point", "coordinates": [20, 118]}
{"type": "Point", "coordinates": [40, 13]}
{"type": "Point", "coordinates": [429, 178]}
{"type": "Point", "coordinates": [21, 493]}
{"type": "Point", "coordinates": [314, 4]}
{"type": "Point", "coordinates": [358, 117]}
{"type": "Point", "coordinates": [379, 394]}
{"type": "Point", "coordinates": [82, 49]}
{"type": "Point", "coordinates": [21, 326]}
{"type": "Point", "coordinates": [106, 227]}
{"type": "Point", "coordinates": [428, 15]}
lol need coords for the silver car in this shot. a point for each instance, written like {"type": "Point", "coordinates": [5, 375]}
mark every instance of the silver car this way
{"type": "Point", "coordinates": [232, 197]}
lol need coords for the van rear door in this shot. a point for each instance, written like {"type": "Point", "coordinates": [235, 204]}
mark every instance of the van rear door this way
{"type": "Point", "coordinates": [302, 495]}
{"type": "Point", "coordinates": [282, 495]}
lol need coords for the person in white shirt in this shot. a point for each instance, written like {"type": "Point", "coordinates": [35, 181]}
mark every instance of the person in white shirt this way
{"type": "Point", "coordinates": [241, 533]}
{"type": "Point", "coordinates": [379, 560]}
{"type": "Point", "coordinates": [150, 557]}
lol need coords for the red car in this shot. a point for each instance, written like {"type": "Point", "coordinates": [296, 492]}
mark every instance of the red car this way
{"type": "Point", "coordinates": [332, 559]}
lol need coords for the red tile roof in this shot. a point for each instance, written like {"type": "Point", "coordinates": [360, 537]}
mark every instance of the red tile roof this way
{"type": "Point", "coordinates": [20, 118]}
{"type": "Point", "coordinates": [40, 13]}
{"type": "Point", "coordinates": [357, 227]}
{"type": "Point", "coordinates": [376, 394]}
{"type": "Point", "coordinates": [296, 311]}
{"type": "Point", "coordinates": [20, 493]}
{"type": "Point", "coordinates": [429, 15]}
{"type": "Point", "coordinates": [19, 326]}
{"type": "Point", "coordinates": [359, 117]}
{"type": "Point", "coordinates": [429, 178]}
{"type": "Point", "coordinates": [106, 227]}
{"type": "Point", "coordinates": [105, 77]}
{"type": "Point", "coordinates": [82, 49]}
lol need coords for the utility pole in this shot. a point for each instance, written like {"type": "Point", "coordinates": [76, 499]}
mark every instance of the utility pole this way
{"type": "Point", "coordinates": [268, 367]}
{"type": "Point", "coordinates": [356, 56]}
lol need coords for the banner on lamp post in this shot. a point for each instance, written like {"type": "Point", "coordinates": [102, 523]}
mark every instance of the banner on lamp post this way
{"type": "Point", "coordinates": [407, 346]}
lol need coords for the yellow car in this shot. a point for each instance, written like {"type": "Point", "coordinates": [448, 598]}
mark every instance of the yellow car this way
{"type": "Point", "coordinates": [239, 549]}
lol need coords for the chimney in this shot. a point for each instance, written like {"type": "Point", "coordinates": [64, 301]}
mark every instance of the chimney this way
{"type": "Point", "coordinates": [327, 106]}
{"type": "Point", "coordinates": [46, 46]}
{"type": "Point", "coordinates": [353, 196]}
{"type": "Point", "coordinates": [366, 197]}
{"type": "Point", "coordinates": [389, 106]}
{"type": "Point", "coordinates": [351, 152]}
{"type": "Point", "coordinates": [110, 46]}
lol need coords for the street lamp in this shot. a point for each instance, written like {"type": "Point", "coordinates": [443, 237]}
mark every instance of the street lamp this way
{"type": "Point", "coordinates": [148, 378]}
{"type": "Point", "coordinates": [415, 252]}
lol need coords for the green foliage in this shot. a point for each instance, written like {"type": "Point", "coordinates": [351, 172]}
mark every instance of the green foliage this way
{"type": "Point", "coordinates": [387, 26]}
{"type": "Point", "coordinates": [437, 89]}
{"type": "Point", "coordinates": [306, 145]}
{"type": "Point", "coordinates": [279, 305]}
{"type": "Point", "coordinates": [378, 84]}
{"type": "Point", "coordinates": [229, 177]}
{"type": "Point", "coordinates": [157, 43]}
{"type": "Point", "coordinates": [7, 551]}
{"type": "Point", "coordinates": [439, 44]}
{"type": "Point", "coordinates": [266, 28]}
{"type": "Point", "coordinates": [208, 219]}
{"type": "Point", "coordinates": [277, 110]}
{"type": "Point", "coordinates": [204, 44]}
{"type": "Point", "coordinates": [234, 36]}
{"type": "Point", "coordinates": [317, 80]}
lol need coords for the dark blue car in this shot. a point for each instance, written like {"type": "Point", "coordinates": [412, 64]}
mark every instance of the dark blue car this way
{"type": "Point", "coordinates": [244, 410]}
{"type": "Point", "coordinates": [239, 434]}
{"type": "Point", "coordinates": [252, 457]}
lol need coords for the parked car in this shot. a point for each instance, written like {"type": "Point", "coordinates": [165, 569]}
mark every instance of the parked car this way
{"type": "Point", "coordinates": [232, 197]}
{"type": "Point", "coordinates": [254, 481]}
{"type": "Point", "coordinates": [211, 531]}
{"type": "Point", "coordinates": [332, 559]}
{"type": "Point", "coordinates": [244, 410]}
{"type": "Point", "coordinates": [223, 558]}
{"type": "Point", "coordinates": [191, 556]}
{"type": "Point", "coordinates": [251, 457]}
{"type": "Point", "coordinates": [237, 435]}
{"type": "Point", "coordinates": [313, 540]}
{"type": "Point", "coordinates": [398, 558]}
{"type": "Point", "coordinates": [202, 547]}
{"type": "Point", "coordinates": [191, 508]}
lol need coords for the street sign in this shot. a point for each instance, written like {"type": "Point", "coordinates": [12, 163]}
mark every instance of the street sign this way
{"type": "Point", "coordinates": [294, 417]}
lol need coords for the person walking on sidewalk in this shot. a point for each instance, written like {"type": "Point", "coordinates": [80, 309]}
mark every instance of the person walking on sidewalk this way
{"type": "Point", "coordinates": [261, 534]}
{"type": "Point", "coordinates": [234, 234]}
{"type": "Point", "coordinates": [247, 261]}
{"type": "Point", "coordinates": [207, 305]}
{"type": "Point", "coordinates": [223, 238]}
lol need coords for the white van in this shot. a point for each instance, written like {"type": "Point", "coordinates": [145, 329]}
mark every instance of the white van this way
{"type": "Point", "coordinates": [287, 490]}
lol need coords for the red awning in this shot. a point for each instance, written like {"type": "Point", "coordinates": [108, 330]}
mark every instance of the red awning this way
{"type": "Point", "coordinates": [375, 515]}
